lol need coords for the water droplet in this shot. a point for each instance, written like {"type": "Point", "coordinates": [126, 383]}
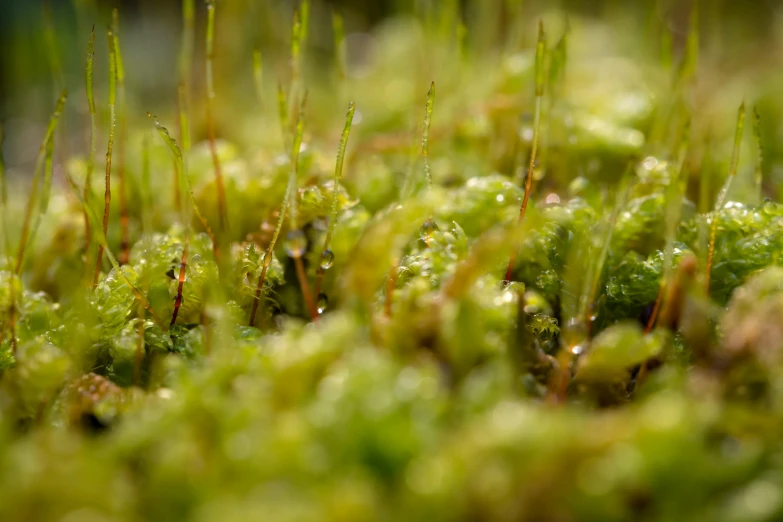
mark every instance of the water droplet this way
{"type": "Point", "coordinates": [428, 228]}
{"type": "Point", "coordinates": [552, 199]}
{"type": "Point", "coordinates": [577, 349]}
{"type": "Point", "coordinates": [323, 302]}
{"type": "Point", "coordinates": [295, 243]}
{"type": "Point", "coordinates": [650, 162]}
{"type": "Point", "coordinates": [772, 208]}
{"type": "Point", "coordinates": [327, 259]}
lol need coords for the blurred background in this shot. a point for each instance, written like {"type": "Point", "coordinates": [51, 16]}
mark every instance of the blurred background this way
{"type": "Point", "coordinates": [43, 45]}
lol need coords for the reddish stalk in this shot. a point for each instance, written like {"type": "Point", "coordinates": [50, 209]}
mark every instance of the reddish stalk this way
{"type": "Point", "coordinates": [655, 310]}
{"type": "Point", "coordinates": [182, 269]}
{"type": "Point", "coordinates": [540, 48]}
{"type": "Point", "coordinates": [110, 147]}
{"type": "Point", "coordinates": [305, 285]}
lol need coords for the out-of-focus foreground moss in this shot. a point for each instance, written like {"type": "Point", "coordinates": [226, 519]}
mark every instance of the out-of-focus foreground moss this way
{"type": "Point", "coordinates": [620, 374]}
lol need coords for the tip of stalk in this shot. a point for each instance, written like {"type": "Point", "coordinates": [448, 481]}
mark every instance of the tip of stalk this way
{"type": "Point", "coordinates": [155, 120]}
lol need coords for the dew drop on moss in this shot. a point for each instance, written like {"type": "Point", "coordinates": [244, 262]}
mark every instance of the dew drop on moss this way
{"type": "Point", "coordinates": [428, 228]}
{"type": "Point", "coordinates": [327, 259]}
{"type": "Point", "coordinates": [323, 302]}
{"type": "Point", "coordinates": [295, 243]}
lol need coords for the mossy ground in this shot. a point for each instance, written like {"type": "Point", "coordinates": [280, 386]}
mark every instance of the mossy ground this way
{"type": "Point", "coordinates": [342, 343]}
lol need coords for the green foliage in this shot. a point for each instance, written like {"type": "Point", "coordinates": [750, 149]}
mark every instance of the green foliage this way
{"type": "Point", "coordinates": [624, 371]}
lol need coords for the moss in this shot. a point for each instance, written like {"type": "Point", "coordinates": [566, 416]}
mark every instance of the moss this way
{"type": "Point", "coordinates": [349, 342]}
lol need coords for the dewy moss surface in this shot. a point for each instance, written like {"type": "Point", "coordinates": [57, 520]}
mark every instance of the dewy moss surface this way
{"type": "Point", "coordinates": [607, 380]}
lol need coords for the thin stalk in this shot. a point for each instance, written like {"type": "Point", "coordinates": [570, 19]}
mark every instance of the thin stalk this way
{"type": "Point", "coordinates": [288, 199]}
{"type": "Point", "coordinates": [691, 58]}
{"type": "Point", "coordinates": [721, 199]}
{"type": "Point", "coordinates": [88, 82]}
{"type": "Point", "coordinates": [186, 217]}
{"type": "Point", "coordinates": [258, 75]}
{"type": "Point", "coordinates": [184, 89]}
{"type": "Point", "coordinates": [26, 237]}
{"type": "Point", "coordinates": [210, 55]}
{"type": "Point", "coordinates": [282, 111]}
{"type": "Point", "coordinates": [556, 82]}
{"type": "Point", "coordinates": [184, 120]}
{"type": "Point", "coordinates": [539, 71]}
{"type": "Point", "coordinates": [181, 279]}
{"type": "Point", "coordinates": [47, 183]}
{"type": "Point", "coordinates": [758, 175]}
{"type": "Point", "coordinates": [109, 149]}
{"type": "Point", "coordinates": [705, 187]}
{"type": "Point", "coordinates": [425, 134]}
{"type": "Point", "coordinates": [180, 161]}
{"type": "Point", "coordinates": [413, 154]}
{"type": "Point", "coordinates": [123, 124]}
{"type": "Point", "coordinates": [186, 48]}
{"type": "Point", "coordinates": [176, 185]}
{"type": "Point", "coordinates": [268, 259]}
{"type": "Point", "coordinates": [146, 191]}
{"type": "Point", "coordinates": [325, 261]}
{"type": "Point", "coordinates": [304, 16]}
{"type": "Point", "coordinates": [293, 215]}
{"type": "Point", "coordinates": [338, 29]}
{"type": "Point", "coordinates": [296, 51]}
{"type": "Point", "coordinates": [184, 139]}
{"type": "Point", "coordinates": [51, 48]}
